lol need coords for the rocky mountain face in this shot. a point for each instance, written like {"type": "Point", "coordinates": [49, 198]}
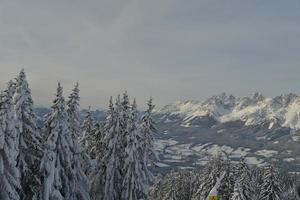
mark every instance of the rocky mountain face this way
{"type": "Point", "coordinates": [261, 130]}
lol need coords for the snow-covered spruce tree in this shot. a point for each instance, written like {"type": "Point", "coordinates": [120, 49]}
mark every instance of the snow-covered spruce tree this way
{"type": "Point", "coordinates": [80, 186]}
{"type": "Point", "coordinates": [244, 186]}
{"type": "Point", "coordinates": [9, 143]}
{"type": "Point", "coordinates": [175, 185]}
{"type": "Point", "coordinates": [156, 192]}
{"type": "Point", "coordinates": [124, 115]}
{"type": "Point", "coordinates": [227, 186]}
{"type": "Point", "coordinates": [97, 145]}
{"type": "Point", "coordinates": [182, 185]}
{"type": "Point", "coordinates": [208, 177]}
{"type": "Point", "coordinates": [87, 132]}
{"type": "Point", "coordinates": [172, 192]}
{"type": "Point", "coordinates": [73, 115]}
{"type": "Point", "coordinates": [147, 129]}
{"type": "Point", "coordinates": [257, 177]}
{"type": "Point", "coordinates": [11, 89]}
{"type": "Point", "coordinates": [107, 179]}
{"type": "Point", "coordinates": [30, 151]}
{"type": "Point", "coordinates": [271, 186]}
{"type": "Point", "coordinates": [134, 179]}
{"type": "Point", "coordinates": [290, 186]}
{"type": "Point", "coordinates": [290, 194]}
{"type": "Point", "coordinates": [56, 164]}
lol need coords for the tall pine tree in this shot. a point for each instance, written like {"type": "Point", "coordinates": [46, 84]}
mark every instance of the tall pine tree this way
{"type": "Point", "coordinates": [88, 129]}
{"type": "Point", "coordinates": [107, 179]}
{"type": "Point", "coordinates": [134, 180]}
{"type": "Point", "coordinates": [147, 129]}
{"type": "Point", "coordinates": [29, 139]}
{"type": "Point", "coordinates": [271, 186]}
{"type": "Point", "coordinates": [80, 186]}
{"type": "Point", "coordinates": [244, 188]}
{"type": "Point", "coordinates": [209, 176]}
{"type": "Point", "coordinates": [9, 143]}
{"type": "Point", "coordinates": [56, 165]}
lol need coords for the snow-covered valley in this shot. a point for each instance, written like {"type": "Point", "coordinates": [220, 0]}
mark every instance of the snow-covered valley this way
{"type": "Point", "coordinates": [261, 130]}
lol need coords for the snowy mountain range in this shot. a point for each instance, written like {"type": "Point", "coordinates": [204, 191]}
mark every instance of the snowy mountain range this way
{"type": "Point", "coordinates": [261, 130]}
{"type": "Point", "coordinates": [283, 110]}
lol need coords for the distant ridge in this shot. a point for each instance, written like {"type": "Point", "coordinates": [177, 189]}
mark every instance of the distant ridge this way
{"type": "Point", "coordinates": [283, 110]}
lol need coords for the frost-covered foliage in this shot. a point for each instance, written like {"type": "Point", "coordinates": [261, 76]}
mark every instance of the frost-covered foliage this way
{"type": "Point", "coordinates": [207, 179]}
{"type": "Point", "coordinates": [73, 112]}
{"type": "Point", "coordinates": [147, 129]}
{"type": "Point", "coordinates": [135, 182]}
{"type": "Point", "coordinates": [246, 183]}
{"type": "Point", "coordinates": [51, 164]}
{"type": "Point", "coordinates": [29, 139]}
{"type": "Point", "coordinates": [56, 166]}
{"type": "Point", "coordinates": [110, 167]}
{"type": "Point", "coordinates": [175, 185]}
{"type": "Point", "coordinates": [80, 185]}
{"type": "Point", "coordinates": [97, 145]}
{"type": "Point", "coordinates": [88, 129]}
{"type": "Point", "coordinates": [122, 171]}
{"type": "Point", "coordinates": [9, 147]}
{"type": "Point", "coordinates": [244, 186]}
{"type": "Point", "coordinates": [107, 180]}
{"type": "Point", "coordinates": [271, 187]}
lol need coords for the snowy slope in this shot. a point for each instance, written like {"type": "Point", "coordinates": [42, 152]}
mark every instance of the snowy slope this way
{"type": "Point", "coordinates": [252, 110]}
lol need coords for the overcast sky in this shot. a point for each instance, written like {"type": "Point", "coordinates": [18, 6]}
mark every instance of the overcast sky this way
{"type": "Point", "coordinates": [169, 49]}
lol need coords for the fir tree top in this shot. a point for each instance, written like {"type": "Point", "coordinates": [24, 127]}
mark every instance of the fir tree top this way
{"type": "Point", "coordinates": [74, 98]}
{"type": "Point", "coordinates": [59, 101]}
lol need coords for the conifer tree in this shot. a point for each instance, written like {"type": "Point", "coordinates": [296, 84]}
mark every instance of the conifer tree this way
{"type": "Point", "coordinates": [98, 183]}
{"type": "Point", "coordinates": [123, 115]}
{"type": "Point", "coordinates": [56, 165]}
{"type": "Point", "coordinates": [11, 89]}
{"type": "Point", "coordinates": [73, 112]}
{"type": "Point", "coordinates": [175, 185]}
{"type": "Point", "coordinates": [271, 186]}
{"type": "Point", "coordinates": [107, 179]}
{"type": "Point", "coordinates": [134, 179]}
{"type": "Point", "coordinates": [88, 128]}
{"type": "Point", "coordinates": [156, 191]}
{"type": "Point", "coordinates": [244, 187]}
{"type": "Point", "coordinates": [29, 139]}
{"type": "Point", "coordinates": [208, 177]}
{"type": "Point", "coordinates": [80, 186]}
{"type": "Point", "coordinates": [147, 130]}
{"type": "Point", "coordinates": [98, 146]}
{"type": "Point", "coordinates": [290, 188]}
{"type": "Point", "coordinates": [9, 144]}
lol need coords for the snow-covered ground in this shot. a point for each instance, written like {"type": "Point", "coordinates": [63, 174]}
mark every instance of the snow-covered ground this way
{"type": "Point", "coordinates": [266, 153]}
{"type": "Point", "coordinates": [173, 152]}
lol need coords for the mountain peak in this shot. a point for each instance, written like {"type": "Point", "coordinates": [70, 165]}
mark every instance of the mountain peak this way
{"type": "Point", "coordinates": [252, 110]}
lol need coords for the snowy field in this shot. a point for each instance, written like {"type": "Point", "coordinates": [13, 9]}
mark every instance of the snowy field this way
{"type": "Point", "coordinates": [183, 154]}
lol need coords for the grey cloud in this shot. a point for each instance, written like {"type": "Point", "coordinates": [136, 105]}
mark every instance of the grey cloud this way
{"type": "Point", "coordinates": [168, 49]}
